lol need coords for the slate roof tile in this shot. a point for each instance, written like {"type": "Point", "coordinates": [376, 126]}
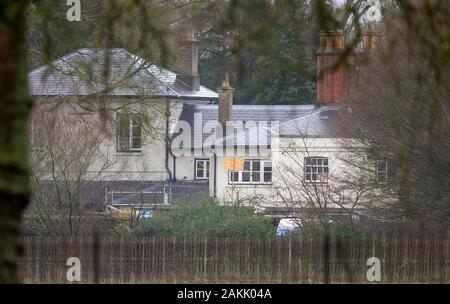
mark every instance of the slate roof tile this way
{"type": "Point", "coordinates": [80, 73]}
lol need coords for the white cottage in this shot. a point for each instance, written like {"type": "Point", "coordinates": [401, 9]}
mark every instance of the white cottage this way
{"type": "Point", "coordinates": [174, 139]}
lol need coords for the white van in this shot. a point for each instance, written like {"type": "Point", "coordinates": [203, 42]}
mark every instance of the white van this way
{"type": "Point", "coordinates": [288, 226]}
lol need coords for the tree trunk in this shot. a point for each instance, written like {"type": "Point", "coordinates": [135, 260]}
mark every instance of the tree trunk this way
{"type": "Point", "coordinates": [15, 105]}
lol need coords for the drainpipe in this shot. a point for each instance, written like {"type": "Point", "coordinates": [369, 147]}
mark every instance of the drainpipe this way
{"type": "Point", "coordinates": [167, 142]}
{"type": "Point", "coordinates": [215, 174]}
{"type": "Point", "coordinates": [174, 165]}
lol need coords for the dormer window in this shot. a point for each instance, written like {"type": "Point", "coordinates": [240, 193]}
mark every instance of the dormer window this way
{"type": "Point", "coordinates": [128, 133]}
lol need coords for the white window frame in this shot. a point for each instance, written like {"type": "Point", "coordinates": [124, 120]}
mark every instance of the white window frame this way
{"type": "Point", "coordinates": [39, 147]}
{"type": "Point", "coordinates": [262, 170]}
{"type": "Point", "coordinates": [206, 168]}
{"type": "Point", "coordinates": [378, 172]}
{"type": "Point", "coordinates": [318, 167]}
{"type": "Point", "coordinates": [133, 122]}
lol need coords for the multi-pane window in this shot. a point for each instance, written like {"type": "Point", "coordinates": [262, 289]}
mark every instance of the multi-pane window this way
{"type": "Point", "coordinates": [316, 169]}
{"type": "Point", "coordinates": [202, 169]}
{"type": "Point", "coordinates": [382, 171]}
{"type": "Point", "coordinates": [128, 133]}
{"type": "Point", "coordinates": [254, 172]}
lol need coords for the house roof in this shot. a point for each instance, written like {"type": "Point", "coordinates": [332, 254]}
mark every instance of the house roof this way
{"type": "Point", "coordinates": [248, 112]}
{"type": "Point", "coordinates": [80, 73]}
{"type": "Point", "coordinates": [323, 121]}
{"type": "Point", "coordinates": [293, 120]}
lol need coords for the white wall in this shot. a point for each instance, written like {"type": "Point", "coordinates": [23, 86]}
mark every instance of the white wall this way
{"type": "Point", "coordinates": [149, 164]}
{"type": "Point", "coordinates": [287, 167]}
{"type": "Point", "coordinates": [185, 168]}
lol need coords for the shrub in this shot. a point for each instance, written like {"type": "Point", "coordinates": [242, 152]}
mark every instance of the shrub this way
{"type": "Point", "coordinates": [33, 225]}
{"type": "Point", "coordinates": [206, 218]}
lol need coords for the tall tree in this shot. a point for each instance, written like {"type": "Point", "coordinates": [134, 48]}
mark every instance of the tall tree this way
{"type": "Point", "coordinates": [267, 48]}
{"type": "Point", "coordinates": [401, 103]}
{"type": "Point", "coordinates": [16, 105]}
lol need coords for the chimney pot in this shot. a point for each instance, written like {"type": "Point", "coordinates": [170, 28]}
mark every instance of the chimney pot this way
{"type": "Point", "coordinates": [332, 41]}
{"type": "Point", "coordinates": [225, 107]}
{"type": "Point", "coordinates": [370, 40]}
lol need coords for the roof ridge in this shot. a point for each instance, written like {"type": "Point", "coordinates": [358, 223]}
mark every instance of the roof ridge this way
{"type": "Point", "coordinates": [264, 105]}
{"type": "Point", "coordinates": [53, 62]}
{"type": "Point", "coordinates": [131, 55]}
{"type": "Point", "coordinates": [313, 112]}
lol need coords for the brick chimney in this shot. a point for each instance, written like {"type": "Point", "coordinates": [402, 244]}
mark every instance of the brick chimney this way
{"type": "Point", "coordinates": [188, 65]}
{"type": "Point", "coordinates": [331, 83]}
{"type": "Point", "coordinates": [225, 102]}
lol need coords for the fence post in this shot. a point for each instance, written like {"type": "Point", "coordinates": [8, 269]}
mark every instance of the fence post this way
{"type": "Point", "coordinates": [205, 258]}
{"type": "Point", "coordinates": [96, 255]}
{"type": "Point", "coordinates": [326, 257]}
{"type": "Point", "coordinates": [164, 259]}
{"type": "Point", "coordinates": [289, 257]}
{"type": "Point", "coordinates": [446, 257]}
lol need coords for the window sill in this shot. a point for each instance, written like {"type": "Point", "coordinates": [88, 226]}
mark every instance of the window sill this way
{"type": "Point", "coordinates": [37, 150]}
{"type": "Point", "coordinates": [130, 153]}
{"type": "Point", "coordinates": [249, 185]}
{"type": "Point", "coordinates": [316, 183]}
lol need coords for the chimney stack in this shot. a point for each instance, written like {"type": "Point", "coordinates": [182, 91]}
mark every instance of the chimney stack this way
{"type": "Point", "coordinates": [188, 66]}
{"type": "Point", "coordinates": [225, 102]}
{"type": "Point", "coordinates": [331, 82]}
{"type": "Point", "coordinates": [370, 39]}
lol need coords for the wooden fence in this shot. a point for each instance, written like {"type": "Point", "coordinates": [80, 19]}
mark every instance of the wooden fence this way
{"type": "Point", "coordinates": [214, 260]}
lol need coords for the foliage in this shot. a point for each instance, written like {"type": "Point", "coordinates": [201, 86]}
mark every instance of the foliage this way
{"type": "Point", "coordinates": [269, 49]}
{"type": "Point", "coordinates": [270, 54]}
{"type": "Point", "coordinates": [33, 225]}
{"type": "Point", "coordinates": [64, 151]}
{"type": "Point", "coordinates": [206, 218]}
{"type": "Point", "coordinates": [16, 105]}
{"type": "Point", "coordinates": [339, 230]}
{"type": "Point", "coordinates": [141, 27]}
{"type": "Point", "coordinates": [400, 110]}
